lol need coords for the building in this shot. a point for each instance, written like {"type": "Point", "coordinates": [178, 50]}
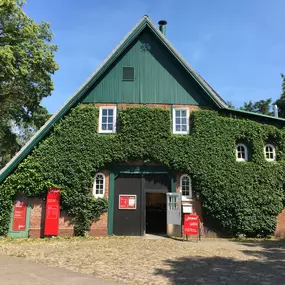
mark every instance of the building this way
{"type": "Point", "coordinates": [136, 168]}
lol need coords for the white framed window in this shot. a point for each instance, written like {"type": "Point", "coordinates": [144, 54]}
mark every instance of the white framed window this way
{"type": "Point", "coordinates": [99, 185]}
{"type": "Point", "coordinates": [107, 119]}
{"type": "Point", "coordinates": [241, 152]}
{"type": "Point", "coordinates": [180, 121]}
{"type": "Point", "coordinates": [269, 152]}
{"type": "Point", "coordinates": [186, 187]}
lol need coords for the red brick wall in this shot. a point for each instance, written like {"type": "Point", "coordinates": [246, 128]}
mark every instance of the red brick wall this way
{"type": "Point", "coordinates": [196, 204]}
{"type": "Point", "coordinates": [100, 227]}
{"type": "Point", "coordinates": [65, 227]}
{"type": "Point", "coordinates": [36, 217]}
{"type": "Point", "coordinates": [163, 106]}
{"type": "Point", "coordinates": [190, 107]}
{"type": "Point", "coordinates": [280, 229]}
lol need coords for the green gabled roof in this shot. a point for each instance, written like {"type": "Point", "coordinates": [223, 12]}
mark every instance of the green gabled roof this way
{"type": "Point", "coordinates": [75, 98]}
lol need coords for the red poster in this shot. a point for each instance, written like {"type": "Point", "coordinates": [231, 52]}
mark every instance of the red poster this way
{"type": "Point", "coordinates": [191, 224]}
{"type": "Point", "coordinates": [127, 202]}
{"type": "Point", "coordinates": [20, 212]}
{"type": "Point", "coordinates": [52, 212]}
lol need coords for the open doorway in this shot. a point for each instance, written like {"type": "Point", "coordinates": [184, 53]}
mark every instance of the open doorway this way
{"type": "Point", "coordinates": [155, 213]}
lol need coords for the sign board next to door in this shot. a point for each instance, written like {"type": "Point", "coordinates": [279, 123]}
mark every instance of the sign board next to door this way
{"type": "Point", "coordinates": [191, 224]}
{"type": "Point", "coordinates": [20, 212]}
{"type": "Point", "coordinates": [52, 212]}
{"type": "Point", "coordinates": [127, 202]}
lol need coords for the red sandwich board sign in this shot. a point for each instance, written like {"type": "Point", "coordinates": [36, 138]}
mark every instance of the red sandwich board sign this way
{"type": "Point", "coordinates": [127, 202]}
{"type": "Point", "coordinates": [52, 212]}
{"type": "Point", "coordinates": [191, 224]}
{"type": "Point", "coordinates": [19, 217]}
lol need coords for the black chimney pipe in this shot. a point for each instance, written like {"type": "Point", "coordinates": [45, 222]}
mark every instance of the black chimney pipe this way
{"type": "Point", "coordinates": [162, 26]}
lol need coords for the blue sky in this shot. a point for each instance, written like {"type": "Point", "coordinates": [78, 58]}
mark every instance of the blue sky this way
{"type": "Point", "coordinates": [238, 47]}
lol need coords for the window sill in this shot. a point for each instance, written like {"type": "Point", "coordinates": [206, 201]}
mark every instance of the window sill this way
{"type": "Point", "coordinates": [180, 133]}
{"type": "Point", "coordinates": [188, 199]}
{"type": "Point", "coordinates": [104, 132]}
{"type": "Point", "coordinates": [98, 196]}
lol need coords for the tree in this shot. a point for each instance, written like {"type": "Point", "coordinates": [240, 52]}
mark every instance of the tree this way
{"type": "Point", "coordinates": [25, 130]}
{"type": "Point", "coordinates": [26, 65]}
{"type": "Point", "coordinates": [281, 101]}
{"type": "Point", "coordinates": [230, 105]}
{"type": "Point", "coordinates": [262, 106]}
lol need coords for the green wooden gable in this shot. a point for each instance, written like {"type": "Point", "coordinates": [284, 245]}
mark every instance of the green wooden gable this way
{"type": "Point", "coordinates": [158, 77]}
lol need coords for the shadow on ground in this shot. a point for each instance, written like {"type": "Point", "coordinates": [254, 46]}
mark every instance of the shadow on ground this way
{"type": "Point", "coordinates": [269, 269]}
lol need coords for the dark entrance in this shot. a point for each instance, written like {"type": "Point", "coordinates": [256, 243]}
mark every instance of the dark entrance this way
{"type": "Point", "coordinates": [150, 213]}
{"type": "Point", "coordinates": [155, 216]}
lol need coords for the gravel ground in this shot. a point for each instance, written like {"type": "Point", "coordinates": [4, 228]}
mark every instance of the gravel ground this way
{"type": "Point", "coordinates": [131, 260]}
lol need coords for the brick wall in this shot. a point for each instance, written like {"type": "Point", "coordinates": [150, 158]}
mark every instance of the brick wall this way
{"type": "Point", "coordinates": [36, 218]}
{"type": "Point", "coordinates": [196, 204]}
{"type": "Point", "coordinates": [163, 106]}
{"type": "Point", "coordinates": [280, 229]}
{"type": "Point", "coordinates": [65, 227]}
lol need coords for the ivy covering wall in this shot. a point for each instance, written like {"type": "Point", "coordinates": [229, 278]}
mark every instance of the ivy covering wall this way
{"type": "Point", "coordinates": [239, 197]}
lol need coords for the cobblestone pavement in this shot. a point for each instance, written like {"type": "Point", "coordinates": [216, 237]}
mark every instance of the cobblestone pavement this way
{"type": "Point", "coordinates": [158, 261]}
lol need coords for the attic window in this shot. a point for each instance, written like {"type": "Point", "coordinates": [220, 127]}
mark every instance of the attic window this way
{"type": "Point", "coordinates": [128, 73]}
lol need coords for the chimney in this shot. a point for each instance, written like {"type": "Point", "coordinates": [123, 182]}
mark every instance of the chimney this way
{"type": "Point", "coordinates": [275, 111]}
{"type": "Point", "coordinates": [162, 26]}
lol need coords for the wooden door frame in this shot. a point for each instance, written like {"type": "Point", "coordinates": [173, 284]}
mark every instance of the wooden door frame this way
{"type": "Point", "coordinates": [133, 169]}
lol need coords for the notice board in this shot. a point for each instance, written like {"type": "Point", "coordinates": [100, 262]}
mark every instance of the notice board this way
{"type": "Point", "coordinates": [52, 212]}
{"type": "Point", "coordinates": [127, 202]}
{"type": "Point", "coordinates": [20, 214]}
{"type": "Point", "coordinates": [191, 224]}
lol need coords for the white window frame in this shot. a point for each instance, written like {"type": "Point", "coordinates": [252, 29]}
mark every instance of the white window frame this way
{"type": "Point", "coordinates": [190, 196]}
{"type": "Point", "coordinates": [104, 186]}
{"type": "Point", "coordinates": [114, 108]}
{"type": "Point", "coordinates": [174, 121]}
{"type": "Point", "coordinates": [273, 150]}
{"type": "Point", "coordinates": [245, 152]}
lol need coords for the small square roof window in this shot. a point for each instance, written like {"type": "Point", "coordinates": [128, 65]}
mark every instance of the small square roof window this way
{"type": "Point", "coordinates": [128, 73]}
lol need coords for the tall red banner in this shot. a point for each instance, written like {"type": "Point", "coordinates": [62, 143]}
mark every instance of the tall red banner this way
{"type": "Point", "coordinates": [20, 213]}
{"type": "Point", "coordinates": [191, 224]}
{"type": "Point", "coordinates": [52, 212]}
